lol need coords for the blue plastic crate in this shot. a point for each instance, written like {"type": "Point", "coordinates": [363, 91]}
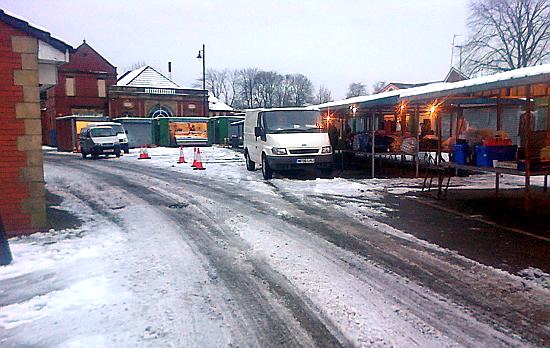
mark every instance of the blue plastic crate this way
{"type": "Point", "coordinates": [485, 155]}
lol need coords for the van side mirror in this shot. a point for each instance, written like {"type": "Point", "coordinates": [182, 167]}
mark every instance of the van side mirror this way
{"type": "Point", "coordinates": [258, 131]}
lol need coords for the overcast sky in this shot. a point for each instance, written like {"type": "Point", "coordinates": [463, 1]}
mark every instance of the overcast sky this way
{"type": "Point", "coordinates": [334, 43]}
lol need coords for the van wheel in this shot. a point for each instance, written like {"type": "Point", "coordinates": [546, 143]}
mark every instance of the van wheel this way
{"type": "Point", "coordinates": [250, 165]}
{"type": "Point", "coordinates": [267, 172]}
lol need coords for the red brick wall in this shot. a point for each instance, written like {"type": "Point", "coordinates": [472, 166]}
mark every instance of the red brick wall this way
{"type": "Point", "coordinates": [143, 103]}
{"type": "Point", "coordinates": [86, 66]}
{"type": "Point", "coordinates": [13, 190]}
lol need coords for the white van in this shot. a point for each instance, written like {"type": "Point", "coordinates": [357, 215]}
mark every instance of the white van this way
{"type": "Point", "coordinates": [286, 139]}
{"type": "Point", "coordinates": [120, 132]}
{"type": "Point", "coordinates": [98, 140]}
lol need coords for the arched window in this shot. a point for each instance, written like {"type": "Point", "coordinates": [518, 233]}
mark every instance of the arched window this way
{"type": "Point", "coordinates": [160, 111]}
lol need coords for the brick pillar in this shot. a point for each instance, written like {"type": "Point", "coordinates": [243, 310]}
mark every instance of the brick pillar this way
{"type": "Point", "coordinates": [22, 192]}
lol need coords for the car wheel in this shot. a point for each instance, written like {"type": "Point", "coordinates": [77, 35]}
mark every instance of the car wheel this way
{"type": "Point", "coordinates": [126, 151]}
{"type": "Point", "coordinates": [94, 156]}
{"type": "Point", "coordinates": [117, 154]}
{"type": "Point", "coordinates": [83, 153]}
{"type": "Point", "coordinates": [250, 165]}
{"type": "Point", "coordinates": [267, 172]}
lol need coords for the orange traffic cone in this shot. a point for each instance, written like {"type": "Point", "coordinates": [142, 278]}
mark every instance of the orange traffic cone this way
{"type": "Point", "coordinates": [194, 157]}
{"type": "Point", "coordinates": [182, 157]}
{"type": "Point", "coordinates": [143, 154]}
{"type": "Point", "coordinates": [198, 165]}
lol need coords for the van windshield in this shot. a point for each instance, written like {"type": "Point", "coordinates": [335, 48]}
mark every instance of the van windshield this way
{"type": "Point", "coordinates": [297, 121]}
{"type": "Point", "coordinates": [118, 128]}
{"type": "Point", "coordinates": [102, 132]}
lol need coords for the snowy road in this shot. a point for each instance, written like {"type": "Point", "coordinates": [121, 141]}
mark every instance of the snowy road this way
{"type": "Point", "coordinates": [169, 257]}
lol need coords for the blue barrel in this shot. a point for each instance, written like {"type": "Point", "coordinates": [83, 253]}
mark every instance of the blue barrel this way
{"type": "Point", "coordinates": [461, 152]}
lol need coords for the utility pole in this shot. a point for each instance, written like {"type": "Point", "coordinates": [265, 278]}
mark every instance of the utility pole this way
{"type": "Point", "coordinates": [453, 47]}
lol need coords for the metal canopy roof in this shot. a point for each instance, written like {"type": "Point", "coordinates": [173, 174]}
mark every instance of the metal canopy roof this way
{"type": "Point", "coordinates": [513, 78]}
{"type": "Point", "coordinates": [375, 100]}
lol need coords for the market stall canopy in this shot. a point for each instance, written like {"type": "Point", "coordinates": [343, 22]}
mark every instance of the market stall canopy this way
{"type": "Point", "coordinates": [380, 99]}
{"type": "Point", "coordinates": [513, 78]}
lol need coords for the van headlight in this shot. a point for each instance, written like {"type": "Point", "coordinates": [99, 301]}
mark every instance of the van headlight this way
{"type": "Point", "coordinates": [278, 150]}
{"type": "Point", "coordinates": [326, 149]}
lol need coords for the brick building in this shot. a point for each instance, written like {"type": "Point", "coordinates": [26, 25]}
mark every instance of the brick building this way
{"type": "Point", "coordinates": [454, 75]}
{"type": "Point", "coordinates": [145, 92]}
{"type": "Point", "coordinates": [28, 63]}
{"type": "Point", "coordinates": [81, 89]}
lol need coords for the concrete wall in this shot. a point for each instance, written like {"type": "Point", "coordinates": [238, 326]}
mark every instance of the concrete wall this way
{"type": "Point", "coordinates": [22, 193]}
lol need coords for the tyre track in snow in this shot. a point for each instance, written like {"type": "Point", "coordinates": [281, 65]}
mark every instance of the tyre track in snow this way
{"type": "Point", "coordinates": [260, 296]}
{"type": "Point", "coordinates": [509, 310]}
{"type": "Point", "coordinates": [505, 308]}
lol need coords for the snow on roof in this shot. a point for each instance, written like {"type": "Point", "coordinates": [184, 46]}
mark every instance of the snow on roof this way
{"type": "Point", "coordinates": [214, 104]}
{"type": "Point", "coordinates": [360, 99]}
{"type": "Point", "coordinates": [146, 77]}
{"type": "Point", "coordinates": [292, 108]}
{"type": "Point", "coordinates": [534, 71]}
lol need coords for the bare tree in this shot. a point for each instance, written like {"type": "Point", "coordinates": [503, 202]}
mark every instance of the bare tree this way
{"type": "Point", "coordinates": [215, 79]}
{"type": "Point", "coordinates": [378, 86]}
{"type": "Point", "coordinates": [302, 91]}
{"type": "Point", "coordinates": [228, 87]}
{"type": "Point", "coordinates": [507, 34]}
{"type": "Point", "coordinates": [356, 89]}
{"type": "Point", "coordinates": [135, 65]}
{"type": "Point", "coordinates": [251, 88]}
{"type": "Point", "coordinates": [247, 87]}
{"type": "Point", "coordinates": [323, 95]}
{"type": "Point", "coordinates": [267, 83]}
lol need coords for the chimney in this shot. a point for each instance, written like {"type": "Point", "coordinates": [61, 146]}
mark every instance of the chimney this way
{"type": "Point", "coordinates": [170, 70]}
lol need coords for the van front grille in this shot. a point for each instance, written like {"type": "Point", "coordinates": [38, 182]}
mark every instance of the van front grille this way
{"type": "Point", "coordinates": [303, 151]}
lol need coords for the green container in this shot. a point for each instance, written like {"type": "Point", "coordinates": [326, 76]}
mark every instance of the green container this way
{"type": "Point", "coordinates": [176, 131]}
{"type": "Point", "coordinates": [219, 130]}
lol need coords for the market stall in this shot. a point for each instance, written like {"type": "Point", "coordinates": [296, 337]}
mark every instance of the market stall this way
{"type": "Point", "coordinates": [375, 126]}
{"type": "Point", "coordinates": [498, 123]}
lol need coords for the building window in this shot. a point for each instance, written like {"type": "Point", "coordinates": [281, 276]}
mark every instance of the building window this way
{"type": "Point", "coordinates": [69, 87]}
{"type": "Point", "coordinates": [101, 92]}
{"type": "Point", "coordinates": [160, 111]}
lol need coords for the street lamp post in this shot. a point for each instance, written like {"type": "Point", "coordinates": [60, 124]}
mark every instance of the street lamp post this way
{"type": "Point", "coordinates": [202, 56]}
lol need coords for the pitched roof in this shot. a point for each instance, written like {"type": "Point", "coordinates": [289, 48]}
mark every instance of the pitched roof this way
{"type": "Point", "coordinates": [214, 104]}
{"type": "Point", "coordinates": [146, 77]}
{"type": "Point", "coordinates": [455, 75]}
{"type": "Point", "coordinates": [33, 30]}
{"type": "Point", "coordinates": [84, 44]}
